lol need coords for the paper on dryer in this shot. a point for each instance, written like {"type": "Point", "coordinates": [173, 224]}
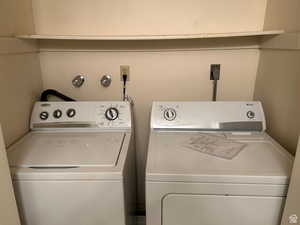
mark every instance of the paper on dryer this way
{"type": "Point", "coordinates": [215, 145]}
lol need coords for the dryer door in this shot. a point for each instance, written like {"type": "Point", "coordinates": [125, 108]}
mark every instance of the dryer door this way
{"type": "Point", "coordinates": [191, 209]}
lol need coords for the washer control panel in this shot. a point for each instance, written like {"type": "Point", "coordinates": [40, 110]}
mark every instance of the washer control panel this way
{"type": "Point", "coordinates": [87, 115]}
{"type": "Point", "coordinates": [226, 116]}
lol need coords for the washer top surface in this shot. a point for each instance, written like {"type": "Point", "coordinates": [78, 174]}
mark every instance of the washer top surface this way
{"type": "Point", "coordinates": [67, 149]}
{"type": "Point", "coordinates": [262, 161]}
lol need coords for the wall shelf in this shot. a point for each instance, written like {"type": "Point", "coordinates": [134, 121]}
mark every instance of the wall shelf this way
{"type": "Point", "coordinates": [153, 37]}
{"type": "Point", "coordinates": [287, 41]}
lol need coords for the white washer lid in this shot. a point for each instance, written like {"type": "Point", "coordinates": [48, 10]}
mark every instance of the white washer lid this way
{"type": "Point", "coordinates": [87, 149]}
{"type": "Point", "coordinates": [262, 161]}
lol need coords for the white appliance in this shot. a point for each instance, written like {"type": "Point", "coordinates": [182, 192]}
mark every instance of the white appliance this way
{"type": "Point", "coordinates": [184, 186]}
{"type": "Point", "coordinates": [77, 165]}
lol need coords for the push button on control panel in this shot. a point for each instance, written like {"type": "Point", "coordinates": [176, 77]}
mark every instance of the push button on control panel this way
{"type": "Point", "coordinates": [44, 115]}
{"type": "Point", "coordinates": [57, 114]}
{"type": "Point", "coordinates": [170, 114]}
{"type": "Point", "coordinates": [250, 114]}
{"type": "Point", "coordinates": [71, 113]}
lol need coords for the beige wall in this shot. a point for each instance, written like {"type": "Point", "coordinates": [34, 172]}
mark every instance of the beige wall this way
{"type": "Point", "coordinates": [277, 86]}
{"type": "Point", "coordinates": [278, 73]}
{"type": "Point", "coordinates": [142, 17]}
{"type": "Point", "coordinates": [282, 15]}
{"type": "Point", "coordinates": [7, 18]}
{"type": "Point", "coordinates": [278, 79]}
{"type": "Point", "coordinates": [161, 74]}
{"type": "Point", "coordinates": [23, 17]}
{"type": "Point", "coordinates": [20, 79]}
{"type": "Point", "coordinates": [20, 84]}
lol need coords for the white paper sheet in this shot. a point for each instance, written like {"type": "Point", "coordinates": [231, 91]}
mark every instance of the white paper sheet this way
{"type": "Point", "coordinates": [215, 145]}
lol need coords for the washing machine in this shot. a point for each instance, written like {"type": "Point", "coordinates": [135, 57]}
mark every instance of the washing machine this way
{"type": "Point", "coordinates": [212, 163]}
{"type": "Point", "coordinates": [76, 166]}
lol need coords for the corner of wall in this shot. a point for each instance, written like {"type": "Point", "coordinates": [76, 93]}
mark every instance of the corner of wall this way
{"type": "Point", "coordinates": [20, 73]}
{"type": "Point", "coordinates": [277, 87]}
{"type": "Point", "coordinates": [282, 15]}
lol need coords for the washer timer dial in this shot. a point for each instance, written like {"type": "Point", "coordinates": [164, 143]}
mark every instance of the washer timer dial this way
{"type": "Point", "coordinates": [112, 113]}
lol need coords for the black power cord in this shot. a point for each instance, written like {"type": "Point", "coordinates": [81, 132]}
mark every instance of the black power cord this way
{"type": "Point", "coordinates": [215, 76]}
{"type": "Point", "coordinates": [124, 77]}
{"type": "Point", "coordinates": [46, 93]}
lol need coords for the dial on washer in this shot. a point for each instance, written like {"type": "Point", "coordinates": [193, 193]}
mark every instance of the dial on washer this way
{"type": "Point", "coordinates": [44, 115]}
{"type": "Point", "coordinates": [112, 113]}
{"type": "Point", "coordinates": [71, 113]}
{"type": "Point", "coordinates": [170, 114]}
{"type": "Point", "coordinates": [57, 114]}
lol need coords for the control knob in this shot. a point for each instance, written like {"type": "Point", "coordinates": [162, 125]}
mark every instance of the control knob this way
{"type": "Point", "coordinates": [44, 115]}
{"type": "Point", "coordinates": [250, 114]}
{"type": "Point", "coordinates": [71, 113]}
{"type": "Point", "coordinates": [170, 114]}
{"type": "Point", "coordinates": [112, 113]}
{"type": "Point", "coordinates": [57, 114]}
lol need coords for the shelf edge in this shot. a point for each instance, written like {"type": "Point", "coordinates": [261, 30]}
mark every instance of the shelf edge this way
{"type": "Point", "coordinates": [151, 37]}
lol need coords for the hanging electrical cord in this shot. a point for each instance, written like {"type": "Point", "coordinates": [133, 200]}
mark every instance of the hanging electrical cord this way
{"type": "Point", "coordinates": [46, 93]}
{"type": "Point", "coordinates": [215, 76]}
{"type": "Point", "coordinates": [124, 77]}
{"type": "Point", "coordinates": [125, 96]}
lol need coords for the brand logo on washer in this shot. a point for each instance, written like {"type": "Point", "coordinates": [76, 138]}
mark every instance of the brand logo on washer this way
{"type": "Point", "coordinates": [45, 105]}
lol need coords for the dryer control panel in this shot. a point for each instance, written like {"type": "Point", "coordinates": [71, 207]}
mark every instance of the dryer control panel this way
{"type": "Point", "coordinates": [83, 115]}
{"type": "Point", "coordinates": [225, 116]}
